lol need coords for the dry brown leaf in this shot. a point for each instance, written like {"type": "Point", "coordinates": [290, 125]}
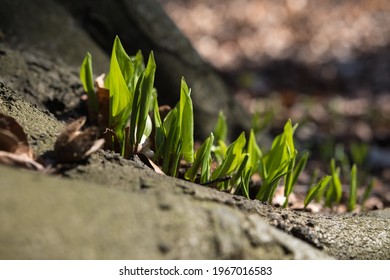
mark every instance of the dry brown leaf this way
{"type": "Point", "coordinates": [73, 144]}
{"type": "Point", "coordinates": [145, 160]}
{"type": "Point", "coordinates": [14, 148]}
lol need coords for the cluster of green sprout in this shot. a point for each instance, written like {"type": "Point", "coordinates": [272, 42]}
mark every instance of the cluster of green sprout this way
{"type": "Point", "coordinates": [129, 98]}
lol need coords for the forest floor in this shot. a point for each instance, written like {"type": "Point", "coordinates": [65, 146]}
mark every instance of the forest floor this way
{"type": "Point", "coordinates": [324, 65]}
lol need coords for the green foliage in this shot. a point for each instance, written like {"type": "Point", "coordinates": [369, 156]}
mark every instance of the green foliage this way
{"type": "Point", "coordinates": [140, 127]}
{"type": "Point", "coordinates": [313, 192]}
{"type": "Point", "coordinates": [132, 104]}
{"type": "Point", "coordinates": [359, 152]}
{"type": "Point", "coordinates": [175, 133]}
{"type": "Point", "coordinates": [86, 77]}
{"type": "Point", "coordinates": [202, 159]}
{"type": "Point", "coordinates": [353, 189]}
{"type": "Point", "coordinates": [121, 80]}
{"type": "Point", "coordinates": [220, 130]}
{"type": "Point", "coordinates": [292, 176]}
{"type": "Point", "coordinates": [276, 163]}
{"type": "Point", "coordinates": [335, 191]}
{"type": "Point", "coordinates": [231, 161]}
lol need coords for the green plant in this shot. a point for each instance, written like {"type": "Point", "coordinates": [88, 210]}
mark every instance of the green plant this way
{"type": "Point", "coordinates": [292, 176]}
{"type": "Point", "coordinates": [174, 135]}
{"type": "Point", "coordinates": [202, 160]}
{"type": "Point", "coordinates": [86, 76]}
{"type": "Point", "coordinates": [130, 87]}
{"type": "Point", "coordinates": [335, 190]}
{"type": "Point", "coordinates": [126, 108]}
{"type": "Point", "coordinates": [275, 163]}
{"type": "Point", "coordinates": [353, 189]}
{"type": "Point", "coordinates": [314, 191]}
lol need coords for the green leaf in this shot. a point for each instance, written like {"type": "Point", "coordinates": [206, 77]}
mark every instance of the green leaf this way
{"type": "Point", "coordinates": [125, 63]}
{"type": "Point", "coordinates": [86, 77]}
{"type": "Point", "coordinates": [159, 137]}
{"type": "Point", "coordinates": [120, 96]}
{"type": "Point", "coordinates": [141, 103]}
{"type": "Point", "coordinates": [270, 184]}
{"type": "Point", "coordinates": [282, 150]}
{"type": "Point", "coordinates": [220, 129]}
{"type": "Point", "coordinates": [353, 189]}
{"type": "Point", "coordinates": [334, 193]}
{"type": "Point", "coordinates": [186, 122]}
{"type": "Point", "coordinates": [241, 170]}
{"type": "Point", "coordinates": [292, 176]}
{"type": "Point", "coordinates": [202, 158]}
{"type": "Point", "coordinates": [288, 182]}
{"type": "Point", "coordinates": [314, 191]}
{"type": "Point", "coordinates": [232, 158]}
{"type": "Point", "coordinates": [254, 153]}
{"type": "Point", "coordinates": [139, 68]}
{"type": "Point", "coordinates": [172, 149]}
{"type": "Point", "coordinates": [244, 184]}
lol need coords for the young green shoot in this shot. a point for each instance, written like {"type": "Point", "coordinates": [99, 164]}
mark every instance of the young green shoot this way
{"type": "Point", "coordinates": [275, 164]}
{"type": "Point", "coordinates": [335, 191]}
{"type": "Point", "coordinates": [313, 192]}
{"type": "Point", "coordinates": [352, 189]}
{"type": "Point", "coordinates": [86, 77]}
{"type": "Point", "coordinates": [202, 160]}
{"type": "Point", "coordinates": [292, 176]}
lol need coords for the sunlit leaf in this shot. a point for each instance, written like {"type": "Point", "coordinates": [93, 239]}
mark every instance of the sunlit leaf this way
{"type": "Point", "coordinates": [220, 129]}
{"type": "Point", "coordinates": [353, 189]}
{"type": "Point", "coordinates": [232, 158]}
{"type": "Point", "coordinates": [120, 96]}
{"type": "Point", "coordinates": [254, 153]}
{"type": "Point", "coordinates": [292, 177]}
{"type": "Point", "coordinates": [141, 103]}
{"type": "Point", "coordinates": [86, 77]}
{"type": "Point", "coordinates": [317, 188]}
{"type": "Point", "coordinates": [202, 158]}
{"type": "Point", "coordinates": [186, 122]}
{"type": "Point", "coordinates": [335, 191]}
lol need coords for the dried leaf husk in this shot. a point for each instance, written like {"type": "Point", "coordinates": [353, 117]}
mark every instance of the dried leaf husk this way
{"type": "Point", "coordinates": [74, 144]}
{"type": "Point", "coordinates": [14, 147]}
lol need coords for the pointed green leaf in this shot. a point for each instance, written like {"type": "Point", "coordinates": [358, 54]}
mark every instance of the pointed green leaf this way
{"type": "Point", "coordinates": [120, 96]}
{"type": "Point", "coordinates": [292, 177]}
{"type": "Point", "coordinates": [186, 122]}
{"type": "Point", "coordinates": [254, 153]}
{"type": "Point", "coordinates": [232, 158]}
{"type": "Point", "coordinates": [314, 191]}
{"type": "Point", "coordinates": [145, 96]}
{"type": "Point", "coordinates": [334, 193]}
{"type": "Point", "coordinates": [202, 157]}
{"type": "Point", "coordinates": [220, 130]}
{"type": "Point", "coordinates": [353, 189]}
{"type": "Point", "coordinates": [86, 77]}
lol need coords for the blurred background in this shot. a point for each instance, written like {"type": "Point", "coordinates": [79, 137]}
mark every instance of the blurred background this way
{"type": "Point", "coordinates": [324, 64]}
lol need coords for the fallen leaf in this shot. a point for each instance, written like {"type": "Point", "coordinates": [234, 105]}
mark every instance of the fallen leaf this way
{"type": "Point", "coordinates": [14, 147]}
{"type": "Point", "coordinates": [74, 144]}
{"type": "Point", "coordinates": [140, 157]}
